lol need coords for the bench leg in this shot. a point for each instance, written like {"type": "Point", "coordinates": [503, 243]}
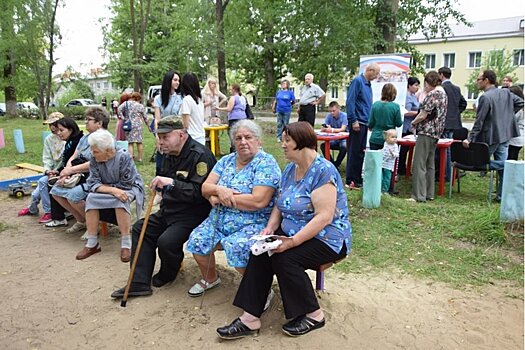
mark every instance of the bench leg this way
{"type": "Point", "coordinates": [319, 280]}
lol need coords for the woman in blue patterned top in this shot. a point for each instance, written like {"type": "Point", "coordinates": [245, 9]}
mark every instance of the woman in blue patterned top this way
{"type": "Point", "coordinates": [242, 190]}
{"type": "Point", "coordinates": [311, 215]}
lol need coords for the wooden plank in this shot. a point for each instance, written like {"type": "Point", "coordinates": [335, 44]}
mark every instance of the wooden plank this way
{"type": "Point", "coordinates": [29, 166]}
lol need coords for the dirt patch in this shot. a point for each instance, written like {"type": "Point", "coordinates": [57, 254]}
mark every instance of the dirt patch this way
{"type": "Point", "coordinates": [14, 172]}
{"type": "Point", "coordinates": [52, 301]}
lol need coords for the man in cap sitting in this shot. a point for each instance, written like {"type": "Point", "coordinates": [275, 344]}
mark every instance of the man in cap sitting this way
{"type": "Point", "coordinates": [184, 168]}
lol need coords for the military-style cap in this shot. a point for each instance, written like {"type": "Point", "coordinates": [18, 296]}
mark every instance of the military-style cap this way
{"type": "Point", "coordinates": [53, 117]}
{"type": "Point", "coordinates": [168, 124]}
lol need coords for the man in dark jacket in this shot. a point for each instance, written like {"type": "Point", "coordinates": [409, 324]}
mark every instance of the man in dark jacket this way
{"type": "Point", "coordinates": [456, 106]}
{"type": "Point", "coordinates": [184, 168]}
{"type": "Point", "coordinates": [495, 123]}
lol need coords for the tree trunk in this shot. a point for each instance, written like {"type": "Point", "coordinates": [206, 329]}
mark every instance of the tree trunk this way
{"type": "Point", "coordinates": [10, 88]}
{"type": "Point", "coordinates": [323, 84]}
{"type": "Point", "coordinates": [269, 70]}
{"type": "Point", "coordinates": [386, 21]}
{"type": "Point", "coordinates": [45, 103]}
{"type": "Point", "coordinates": [220, 7]}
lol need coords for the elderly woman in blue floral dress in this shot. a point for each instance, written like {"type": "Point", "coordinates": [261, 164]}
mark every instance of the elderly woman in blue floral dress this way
{"type": "Point", "coordinates": [113, 184]}
{"type": "Point", "coordinates": [311, 219]}
{"type": "Point", "coordinates": [241, 187]}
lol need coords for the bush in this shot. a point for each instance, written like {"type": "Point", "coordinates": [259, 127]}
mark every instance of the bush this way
{"type": "Point", "coordinates": [72, 112]}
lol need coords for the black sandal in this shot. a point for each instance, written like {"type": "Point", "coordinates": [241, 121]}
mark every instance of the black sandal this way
{"type": "Point", "coordinates": [236, 330]}
{"type": "Point", "coordinates": [302, 325]}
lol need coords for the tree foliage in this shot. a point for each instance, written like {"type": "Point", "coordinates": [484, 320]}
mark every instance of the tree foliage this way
{"type": "Point", "coordinates": [500, 61]}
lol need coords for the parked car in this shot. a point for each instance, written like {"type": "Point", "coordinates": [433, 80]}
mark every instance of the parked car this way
{"type": "Point", "coordinates": [27, 106]}
{"type": "Point", "coordinates": [2, 108]}
{"type": "Point", "coordinates": [153, 91]}
{"type": "Point", "coordinates": [81, 102]}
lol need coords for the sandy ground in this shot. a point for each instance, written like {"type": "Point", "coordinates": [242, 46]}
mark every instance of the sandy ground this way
{"type": "Point", "coordinates": [51, 301]}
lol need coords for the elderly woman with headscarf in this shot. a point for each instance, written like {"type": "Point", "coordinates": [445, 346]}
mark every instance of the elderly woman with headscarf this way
{"type": "Point", "coordinates": [242, 188]}
{"type": "Point", "coordinates": [113, 184]}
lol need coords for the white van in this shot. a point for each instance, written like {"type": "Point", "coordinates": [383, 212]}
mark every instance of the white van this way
{"type": "Point", "coordinates": [153, 91]}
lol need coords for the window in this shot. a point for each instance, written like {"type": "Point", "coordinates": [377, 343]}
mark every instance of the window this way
{"type": "Point", "coordinates": [518, 57]}
{"type": "Point", "coordinates": [430, 61]}
{"type": "Point", "coordinates": [472, 94]}
{"type": "Point", "coordinates": [106, 85]}
{"type": "Point", "coordinates": [335, 92]}
{"type": "Point", "coordinates": [98, 85]}
{"type": "Point", "coordinates": [474, 59]}
{"type": "Point", "coordinates": [449, 60]}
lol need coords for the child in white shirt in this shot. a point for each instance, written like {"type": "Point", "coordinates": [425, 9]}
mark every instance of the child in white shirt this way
{"type": "Point", "coordinates": [390, 154]}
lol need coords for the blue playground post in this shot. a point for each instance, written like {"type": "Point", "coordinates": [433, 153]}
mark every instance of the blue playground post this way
{"type": "Point", "coordinates": [511, 208]}
{"type": "Point", "coordinates": [19, 141]}
{"type": "Point", "coordinates": [373, 166]}
{"type": "Point", "coordinates": [122, 144]}
{"type": "Point", "coordinates": [45, 134]}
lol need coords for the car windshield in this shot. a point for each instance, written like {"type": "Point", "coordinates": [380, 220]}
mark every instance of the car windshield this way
{"type": "Point", "coordinates": [89, 102]}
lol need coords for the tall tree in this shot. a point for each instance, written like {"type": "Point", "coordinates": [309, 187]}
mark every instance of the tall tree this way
{"type": "Point", "coordinates": [138, 31]}
{"type": "Point", "coordinates": [220, 8]}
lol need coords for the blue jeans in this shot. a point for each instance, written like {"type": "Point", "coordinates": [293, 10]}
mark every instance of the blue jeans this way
{"type": "Point", "coordinates": [336, 145]}
{"type": "Point", "coordinates": [40, 193]}
{"type": "Point", "coordinates": [500, 153]}
{"type": "Point", "coordinates": [282, 120]}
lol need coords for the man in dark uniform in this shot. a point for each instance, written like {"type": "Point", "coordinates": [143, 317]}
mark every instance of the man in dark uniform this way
{"type": "Point", "coordinates": [184, 168]}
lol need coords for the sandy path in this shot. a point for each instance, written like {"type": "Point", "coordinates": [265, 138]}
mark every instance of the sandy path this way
{"type": "Point", "coordinates": [52, 301]}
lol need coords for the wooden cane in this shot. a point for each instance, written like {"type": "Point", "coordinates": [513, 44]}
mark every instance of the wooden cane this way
{"type": "Point", "coordinates": [137, 251]}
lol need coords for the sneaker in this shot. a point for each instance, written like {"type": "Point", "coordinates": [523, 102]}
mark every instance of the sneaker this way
{"type": "Point", "coordinates": [45, 218]}
{"type": "Point", "coordinates": [24, 212]}
{"type": "Point", "coordinates": [77, 226]}
{"type": "Point", "coordinates": [56, 223]}
{"type": "Point", "coordinates": [199, 288]}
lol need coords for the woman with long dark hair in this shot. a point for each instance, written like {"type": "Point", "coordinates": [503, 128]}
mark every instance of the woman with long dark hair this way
{"type": "Point", "coordinates": [192, 109]}
{"type": "Point", "coordinates": [167, 103]}
{"type": "Point", "coordinates": [67, 130]}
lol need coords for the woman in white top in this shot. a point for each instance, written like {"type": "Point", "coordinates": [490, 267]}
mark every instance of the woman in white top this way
{"type": "Point", "coordinates": [192, 109]}
{"type": "Point", "coordinates": [212, 98]}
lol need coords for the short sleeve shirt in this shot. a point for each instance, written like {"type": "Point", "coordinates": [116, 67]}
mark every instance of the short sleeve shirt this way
{"type": "Point", "coordinates": [435, 99]}
{"type": "Point", "coordinates": [295, 203]}
{"type": "Point", "coordinates": [173, 107]}
{"type": "Point", "coordinates": [263, 170]}
{"type": "Point", "coordinates": [338, 122]}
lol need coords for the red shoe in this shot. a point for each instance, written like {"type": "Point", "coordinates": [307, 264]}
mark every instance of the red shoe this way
{"type": "Point", "coordinates": [24, 212]}
{"type": "Point", "coordinates": [45, 218]}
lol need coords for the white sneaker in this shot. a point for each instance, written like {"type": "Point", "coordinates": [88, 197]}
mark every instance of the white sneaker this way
{"type": "Point", "coordinates": [84, 237]}
{"type": "Point", "coordinates": [77, 226]}
{"type": "Point", "coordinates": [56, 223]}
{"type": "Point", "coordinates": [271, 294]}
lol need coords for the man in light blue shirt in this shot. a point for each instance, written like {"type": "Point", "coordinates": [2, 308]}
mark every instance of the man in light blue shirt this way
{"type": "Point", "coordinates": [336, 121]}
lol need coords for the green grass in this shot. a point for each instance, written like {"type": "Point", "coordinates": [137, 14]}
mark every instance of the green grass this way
{"type": "Point", "coordinates": [458, 241]}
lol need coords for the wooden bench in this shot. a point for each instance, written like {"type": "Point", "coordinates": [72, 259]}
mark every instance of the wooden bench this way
{"type": "Point", "coordinates": [319, 275]}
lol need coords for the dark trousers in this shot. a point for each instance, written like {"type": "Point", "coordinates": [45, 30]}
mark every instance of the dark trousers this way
{"type": "Point", "coordinates": [296, 288]}
{"type": "Point", "coordinates": [169, 240]}
{"type": "Point", "coordinates": [57, 211]}
{"type": "Point", "coordinates": [447, 134]}
{"type": "Point", "coordinates": [403, 153]}
{"type": "Point", "coordinates": [356, 155]}
{"type": "Point", "coordinates": [339, 145]}
{"type": "Point", "coordinates": [514, 152]}
{"type": "Point", "coordinates": [307, 114]}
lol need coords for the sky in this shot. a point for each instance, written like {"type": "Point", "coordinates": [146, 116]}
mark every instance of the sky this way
{"type": "Point", "coordinates": [82, 35]}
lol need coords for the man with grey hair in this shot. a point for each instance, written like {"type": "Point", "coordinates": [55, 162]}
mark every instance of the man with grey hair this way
{"type": "Point", "coordinates": [358, 107]}
{"type": "Point", "coordinates": [184, 168]}
{"type": "Point", "coordinates": [311, 95]}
